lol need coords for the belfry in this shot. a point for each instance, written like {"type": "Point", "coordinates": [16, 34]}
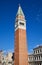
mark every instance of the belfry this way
{"type": "Point", "coordinates": [21, 54]}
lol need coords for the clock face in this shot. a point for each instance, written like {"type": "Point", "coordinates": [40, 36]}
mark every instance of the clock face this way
{"type": "Point", "coordinates": [21, 23]}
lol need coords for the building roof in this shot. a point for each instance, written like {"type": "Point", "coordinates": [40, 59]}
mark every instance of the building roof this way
{"type": "Point", "coordinates": [20, 12]}
{"type": "Point", "coordinates": [38, 47]}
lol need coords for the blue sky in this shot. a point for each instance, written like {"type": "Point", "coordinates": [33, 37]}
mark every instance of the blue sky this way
{"type": "Point", "coordinates": [33, 13]}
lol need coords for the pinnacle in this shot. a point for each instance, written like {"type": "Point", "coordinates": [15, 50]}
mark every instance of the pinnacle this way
{"type": "Point", "coordinates": [20, 12]}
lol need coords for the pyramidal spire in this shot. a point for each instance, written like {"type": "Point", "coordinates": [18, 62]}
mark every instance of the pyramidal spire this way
{"type": "Point", "coordinates": [20, 21]}
{"type": "Point", "coordinates": [20, 12]}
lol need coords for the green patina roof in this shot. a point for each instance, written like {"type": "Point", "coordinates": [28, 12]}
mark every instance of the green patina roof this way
{"type": "Point", "coordinates": [20, 12]}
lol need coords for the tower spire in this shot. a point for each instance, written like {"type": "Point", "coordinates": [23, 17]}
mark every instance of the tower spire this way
{"type": "Point", "coordinates": [20, 12]}
{"type": "Point", "coordinates": [20, 19]}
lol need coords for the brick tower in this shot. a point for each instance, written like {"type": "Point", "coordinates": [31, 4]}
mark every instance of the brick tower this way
{"type": "Point", "coordinates": [21, 54]}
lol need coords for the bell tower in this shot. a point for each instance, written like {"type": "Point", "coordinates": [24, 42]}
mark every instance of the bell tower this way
{"type": "Point", "coordinates": [21, 54]}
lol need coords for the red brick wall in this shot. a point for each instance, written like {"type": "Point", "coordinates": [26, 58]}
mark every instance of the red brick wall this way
{"type": "Point", "coordinates": [21, 54]}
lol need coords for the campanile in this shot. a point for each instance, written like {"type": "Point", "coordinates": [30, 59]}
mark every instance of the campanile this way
{"type": "Point", "coordinates": [21, 54]}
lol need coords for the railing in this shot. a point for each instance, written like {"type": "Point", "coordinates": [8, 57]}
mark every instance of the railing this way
{"type": "Point", "coordinates": [35, 60]}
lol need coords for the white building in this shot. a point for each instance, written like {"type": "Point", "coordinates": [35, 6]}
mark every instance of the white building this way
{"type": "Point", "coordinates": [6, 59]}
{"type": "Point", "coordinates": [36, 57]}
